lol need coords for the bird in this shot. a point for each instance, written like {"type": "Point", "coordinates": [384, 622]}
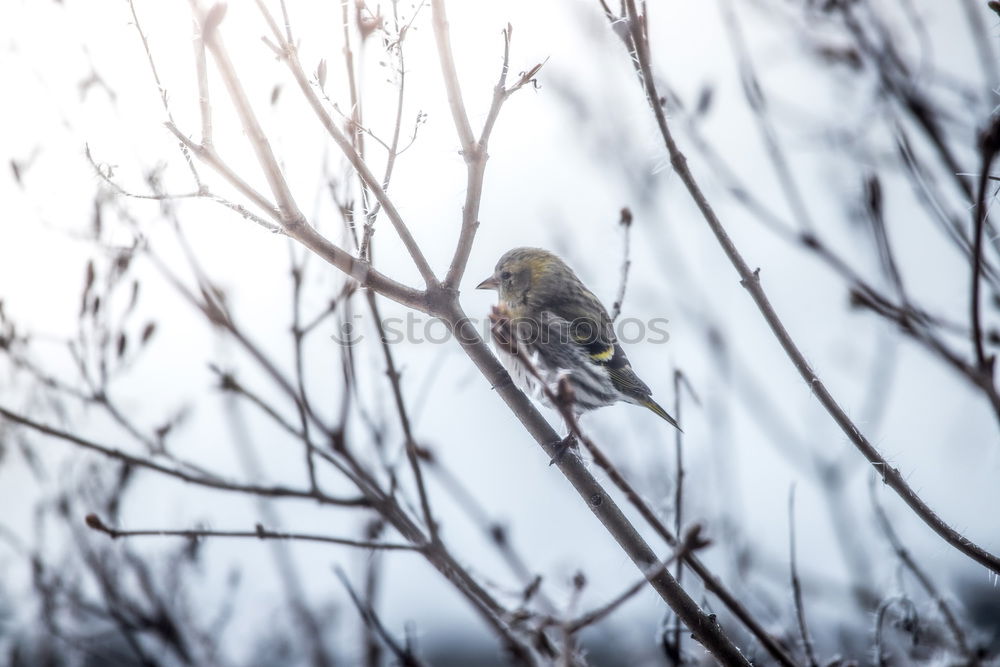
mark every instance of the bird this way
{"type": "Point", "coordinates": [565, 332]}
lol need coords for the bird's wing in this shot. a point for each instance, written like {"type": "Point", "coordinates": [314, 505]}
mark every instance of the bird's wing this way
{"type": "Point", "coordinates": [593, 331]}
{"type": "Point", "coordinates": [562, 355]}
{"type": "Point", "coordinates": [558, 343]}
{"type": "Point", "coordinates": [592, 342]}
{"type": "Point", "coordinates": [589, 324]}
{"type": "Point", "coordinates": [624, 378]}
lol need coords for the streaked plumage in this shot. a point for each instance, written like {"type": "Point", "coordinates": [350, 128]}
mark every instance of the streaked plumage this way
{"type": "Point", "coordinates": [566, 331]}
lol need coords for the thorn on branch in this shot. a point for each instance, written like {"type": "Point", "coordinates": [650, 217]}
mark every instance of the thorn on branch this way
{"type": "Point", "coordinates": [752, 279]}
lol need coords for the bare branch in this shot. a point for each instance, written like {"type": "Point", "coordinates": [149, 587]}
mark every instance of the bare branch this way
{"type": "Point", "coordinates": [626, 223]}
{"type": "Point", "coordinates": [104, 173]}
{"type": "Point", "coordinates": [211, 482]}
{"type": "Point", "coordinates": [371, 619]}
{"type": "Point", "coordinates": [800, 614]}
{"type": "Point", "coordinates": [160, 88]}
{"type": "Point", "coordinates": [94, 522]}
{"type": "Point", "coordinates": [404, 420]}
{"type": "Point", "coordinates": [455, 100]}
{"type": "Point", "coordinates": [679, 380]}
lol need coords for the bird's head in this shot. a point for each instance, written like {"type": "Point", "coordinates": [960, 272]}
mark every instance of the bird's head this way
{"type": "Point", "coordinates": [523, 273]}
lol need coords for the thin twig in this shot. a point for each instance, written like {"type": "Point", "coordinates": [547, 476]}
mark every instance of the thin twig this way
{"type": "Point", "coordinates": [302, 404]}
{"type": "Point", "coordinates": [404, 419]}
{"type": "Point", "coordinates": [626, 223]}
{"type": "Point", "coordinates": [679, 380]}
{"type": "Point", "coordinates": [160, 88]}
{"type": "Point", "coordinates": [94, 522]}
{"type": "Point", "coordinates": [371, 619]}
{"type": "Point", "coordinates": [228, 382]}
{"type": "Point", "coordinates": [203, 192]}
{"type": "Point", "coordinates": [800, 614]}
{"type": "Point", "coordinates": [496, 533]}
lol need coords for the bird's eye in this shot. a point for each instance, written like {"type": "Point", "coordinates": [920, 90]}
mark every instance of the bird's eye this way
{"type": "Point", "coordinates": [505, 275]}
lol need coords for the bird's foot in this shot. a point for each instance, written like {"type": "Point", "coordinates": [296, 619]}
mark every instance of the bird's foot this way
{"type": "Point", "coordinates": [562, 447]}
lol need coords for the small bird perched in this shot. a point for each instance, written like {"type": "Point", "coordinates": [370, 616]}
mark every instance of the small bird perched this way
{"type": "Point", "coordinates": [566, 332]}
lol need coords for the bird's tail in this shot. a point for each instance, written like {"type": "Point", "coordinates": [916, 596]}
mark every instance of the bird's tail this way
{"type": "Point", "coordinates": [663, 414]}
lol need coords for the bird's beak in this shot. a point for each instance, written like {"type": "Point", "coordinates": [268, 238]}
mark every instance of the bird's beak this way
{"type": "Point", "coordinates": [489, 283]}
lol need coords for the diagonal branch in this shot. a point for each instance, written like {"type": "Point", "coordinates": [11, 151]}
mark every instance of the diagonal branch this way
{"type": "Point", "coordinates": [371, 619]}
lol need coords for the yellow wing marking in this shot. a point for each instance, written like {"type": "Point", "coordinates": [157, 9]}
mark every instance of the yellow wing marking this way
{"type": "Point", "coordinates": [605, 354]}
